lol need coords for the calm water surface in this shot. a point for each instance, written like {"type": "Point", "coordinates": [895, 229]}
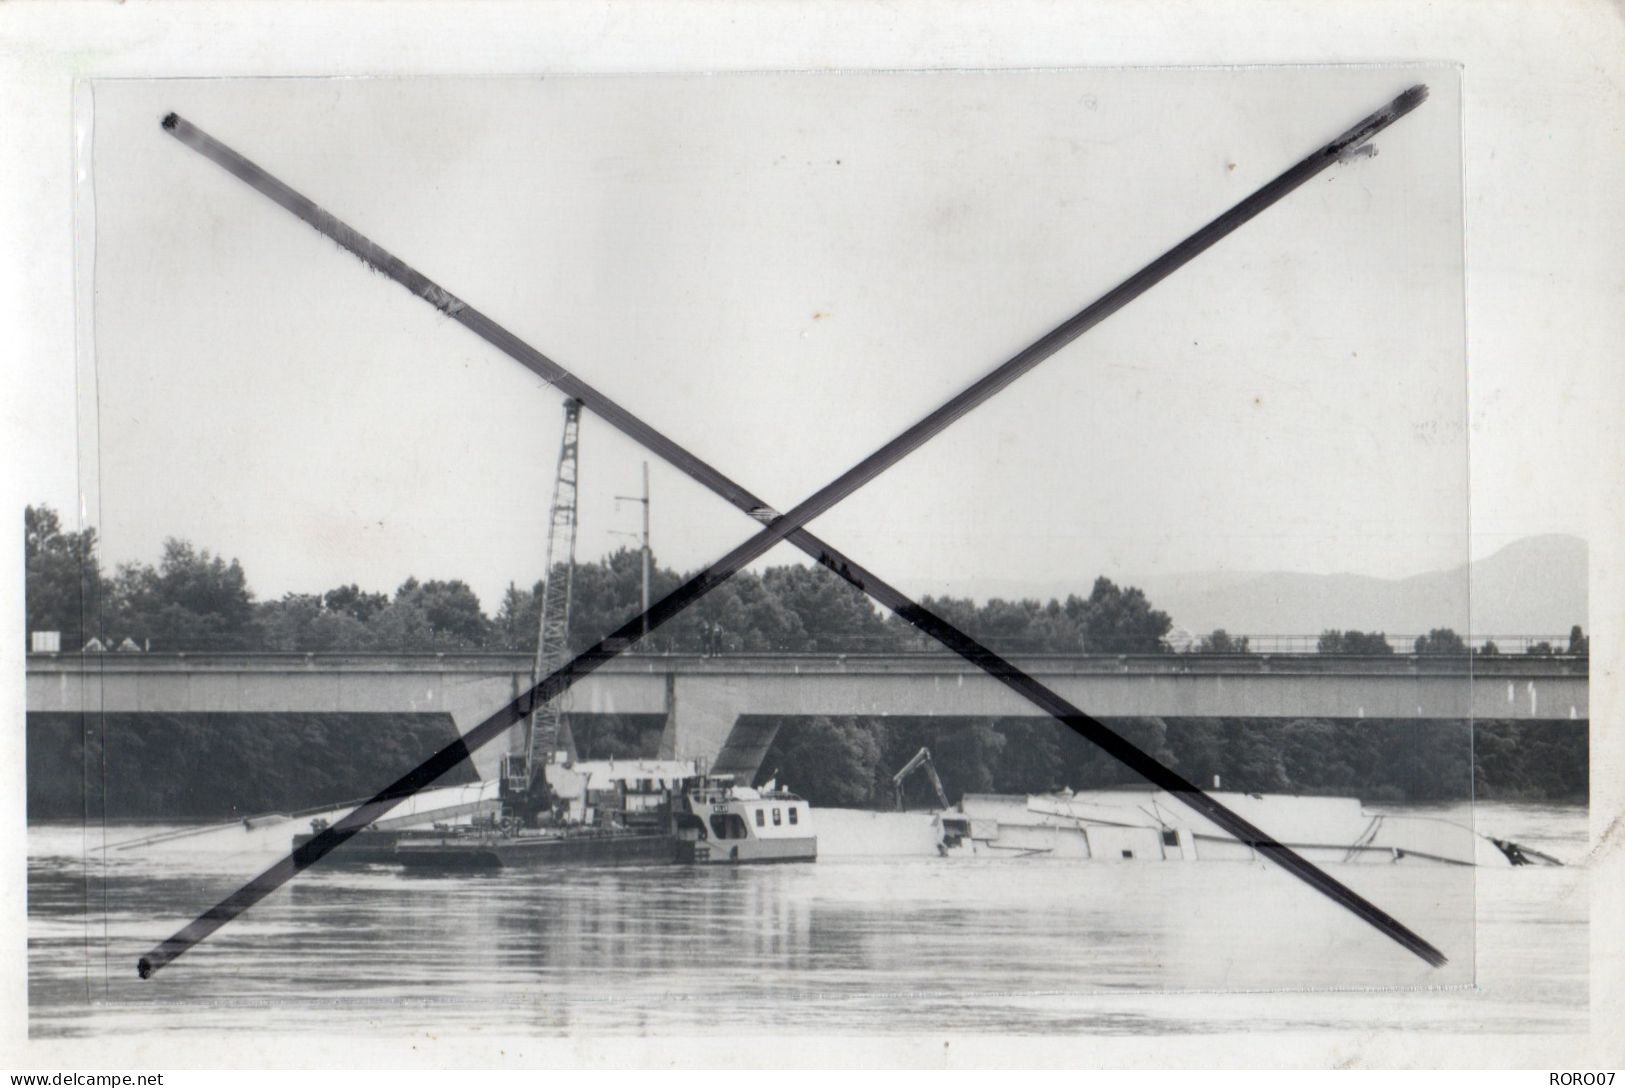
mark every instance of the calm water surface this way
{"type": "Point", "coordinates": [852, 944]}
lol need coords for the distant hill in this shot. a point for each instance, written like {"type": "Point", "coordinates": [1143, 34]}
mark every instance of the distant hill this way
{"type": "Point", "coordinates": [1535, 586]}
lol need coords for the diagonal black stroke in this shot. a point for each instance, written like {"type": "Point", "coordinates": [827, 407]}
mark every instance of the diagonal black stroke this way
{"type": "Point", "coordinates": [379, 259]}
{"type": "Point", "coordinates": [920, 617]}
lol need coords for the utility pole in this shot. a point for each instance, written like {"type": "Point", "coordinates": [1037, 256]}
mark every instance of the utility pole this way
{"type": "Point", "coordinates": [645, 501]}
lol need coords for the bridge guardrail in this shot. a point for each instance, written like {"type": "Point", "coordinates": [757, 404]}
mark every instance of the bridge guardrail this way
{"type": "Point", "coordinates": [1499, 666]}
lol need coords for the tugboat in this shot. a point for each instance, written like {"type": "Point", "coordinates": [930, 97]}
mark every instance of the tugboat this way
{"type": "Point", "coordinates": [725, 824]}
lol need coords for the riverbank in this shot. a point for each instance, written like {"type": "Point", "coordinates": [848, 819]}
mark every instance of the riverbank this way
{"type": "Point", "coordinates": [224, 766]}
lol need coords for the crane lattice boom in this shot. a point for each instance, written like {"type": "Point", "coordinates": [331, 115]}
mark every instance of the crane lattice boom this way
{"type": "Point", "coordinates": [546, 731]}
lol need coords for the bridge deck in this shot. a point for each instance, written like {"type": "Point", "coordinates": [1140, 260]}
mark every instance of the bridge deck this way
{"type": "Point", "coordinates": [703, 699]}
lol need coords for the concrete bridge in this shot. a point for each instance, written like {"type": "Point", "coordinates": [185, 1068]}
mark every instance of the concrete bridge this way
{"type": "Point", "coordinates": [708, 702]}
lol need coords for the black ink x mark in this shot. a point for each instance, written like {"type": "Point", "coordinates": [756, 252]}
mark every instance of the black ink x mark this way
{"type": "Point", "coordinates": [787, 526]}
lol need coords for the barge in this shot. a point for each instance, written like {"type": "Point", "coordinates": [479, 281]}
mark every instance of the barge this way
{"type": "Point", "coordinates": [629, 813]}
{"type": "Point", "coordinates": [424, 816]}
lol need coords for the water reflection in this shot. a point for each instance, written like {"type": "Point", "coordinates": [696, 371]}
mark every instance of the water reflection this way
{"type": "Point", "coordinates": [845, 945]}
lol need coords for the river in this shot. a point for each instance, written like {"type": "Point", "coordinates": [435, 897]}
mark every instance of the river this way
{"type": "Point", "coordinates": [854, 944]}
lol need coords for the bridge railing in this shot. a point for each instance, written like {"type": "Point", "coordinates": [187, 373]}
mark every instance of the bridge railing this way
{"type": "Point", "coordinates": [891, 646]}
{"type": "Point", "coordinates": [1550, 645]}
{"type": "Point", "coordinates": [809, 664]}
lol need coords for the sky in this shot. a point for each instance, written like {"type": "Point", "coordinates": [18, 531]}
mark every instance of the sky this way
{"type": "Point", "coordinates": [780, 271]}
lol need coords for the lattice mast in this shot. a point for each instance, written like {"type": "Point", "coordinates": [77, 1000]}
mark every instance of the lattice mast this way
{"type": "Point", "coordinates": [553, 633]}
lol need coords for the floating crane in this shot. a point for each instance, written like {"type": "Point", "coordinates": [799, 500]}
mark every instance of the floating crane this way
{"type": "Point", "coordinates": [922, 758]}
{"type": "Point", "coordinates": [525, 792]}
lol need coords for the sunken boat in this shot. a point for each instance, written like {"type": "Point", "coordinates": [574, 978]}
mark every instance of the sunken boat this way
{"type": "Point", "coordinates": [1130, 825]}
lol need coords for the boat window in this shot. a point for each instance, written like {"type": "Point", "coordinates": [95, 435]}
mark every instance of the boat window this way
{"type": "Point", "coordinates": [759, 817]}
{"type": "Point", "coordinates": [792, 814]}
{"type": "Point", "coordinates": [729, 825]}
{"type": "Point", "coordinates": [1128, 853]}
{"type": "Point", "coordinates": [1170, 838]}
{"type": "Point", "coordinates": [777, 818]}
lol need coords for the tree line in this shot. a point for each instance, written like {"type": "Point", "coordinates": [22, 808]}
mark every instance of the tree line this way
{"type": "Point", "coordinates": [195, 601]}
{"type": "Point", "coordinates": [1440, 640]}
{"type": "Point", "coordinates": [176, 766]}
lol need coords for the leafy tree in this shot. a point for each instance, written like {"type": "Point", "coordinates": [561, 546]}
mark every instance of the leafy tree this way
{"type": "Point", "coordinates": [63, 579]}
{"type": "Point", "coordinates": [1489, 649]}
{"type": "Point", "coordinates": [1440, 640]}
{"type": "Point", "coordinates": [442, 616]}
{"type": "Point", "coordinates": [1087, 767]}
{"type": "Point", "coordinates": [450, 610]}
{"type": "Point", "coordinates": [1221, 642]}
{"type": "Point", "coordinates": [403, 627]}
{"type": "Point", "coordinates": [1256, 761]}
{"type": "Point", "coordinates": [966, 755]}
{"type": "Point", "coordinates": [1540, 649]}
{"type": "Point", "coordinates": [603, 596]}
{"type": "Point", "coordinates": [302, 622]}
{"type": "Point", "coordinates": [1114, 620]}
{"type": "Point", "coordinates": [616, 736]}
{"type": "Point", "coordinates": [790, 609]}
{"type": "Point", "coordinates": [834, 614]}
{"type": "Point", "coordinates": [1313, 758]}
{"type": "Point", "coordinates": [1023, 626]}
{"type": "Point", "coordinates": [515, 625]}
{"type": "Point", "coordinates": [761, 621]}
{"type": "Point", "coordinates": [1435, 762]}
{"type": "Point", "coordinates": [192, 601]}
{"type": "Point", "coordinates": [1030, 760]}
{"type": "Point", "coordinates": [1051, 630]}
{"type": "Point", "coordinates": [1353, 642]}
{"type": "Point", "coordinates": [829, 761]}
{"type": "Point", "coordinates": [1198, 745]}
{"type": "Point", "coordinates": [285, 624]}
{"type": "Point", "coordinates": [352, 601]}
{"type": "Point", "coordinates": [959, 611]}
{"type": "Point", "coordinates": [340, 632]}
{"type": "Point", "coordinates": [1531, 761]}
{"type": "Point", "coordinates": [1579, 644]}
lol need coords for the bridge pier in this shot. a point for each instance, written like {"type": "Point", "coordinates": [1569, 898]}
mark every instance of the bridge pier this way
{"type": "Point", "coordinates": [705, 720]}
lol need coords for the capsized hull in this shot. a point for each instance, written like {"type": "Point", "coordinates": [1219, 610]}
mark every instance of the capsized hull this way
{"type": "Point", "coordinates": [1150, 825]}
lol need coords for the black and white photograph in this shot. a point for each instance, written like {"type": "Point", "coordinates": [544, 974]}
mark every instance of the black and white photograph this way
{"type": "Point", "coordinates": [517, 555]}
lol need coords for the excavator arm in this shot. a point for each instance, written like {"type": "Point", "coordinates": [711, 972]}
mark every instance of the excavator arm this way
{"type": "Point", "coordinates": [922, 758]}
